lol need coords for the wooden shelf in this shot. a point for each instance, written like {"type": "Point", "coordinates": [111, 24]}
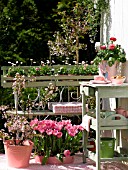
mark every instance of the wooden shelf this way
{"type": "Point", "coordinates": [113, 122]}
{"type": "Point", "coordinates": [92, 156]}
{"type": "Point", "coordinates": [40, 113]}
{"type": "Point", "coordinates": [40, 81]}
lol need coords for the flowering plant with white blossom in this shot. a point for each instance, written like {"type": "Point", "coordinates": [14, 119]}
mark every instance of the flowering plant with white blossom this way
{"type": "Point", "coordinates": [17, 129]}
{"type": "Point", "coordinates": [18, 84]}
{"type": "Point", "coordinates": [56, 138]}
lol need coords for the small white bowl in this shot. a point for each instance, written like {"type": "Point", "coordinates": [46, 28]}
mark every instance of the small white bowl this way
{"type": "Point", "coordinates": [116, 80]}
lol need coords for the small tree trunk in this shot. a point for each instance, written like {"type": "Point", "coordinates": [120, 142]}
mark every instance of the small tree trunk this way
{"type": "Point", "coordinates": [16, 101]}
{"type": "Point", "coordinates": [77, 49]}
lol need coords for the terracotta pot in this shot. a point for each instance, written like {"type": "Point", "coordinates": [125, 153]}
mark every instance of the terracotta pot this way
{"type": "Point", "coordinates": [18, 156]}
{"type": "Point", "coordinates": [126, 114]}
{"type": "Point", "coordinates": [120, 111]}
{"type": "Point", "coordinates": [55, 161]}
{"type": "Point", "coordinates": [38, 159]}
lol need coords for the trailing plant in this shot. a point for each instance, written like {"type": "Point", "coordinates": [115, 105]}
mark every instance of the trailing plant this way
{"type": "Point", "coordinates": [40, 71]}
{"type": "Point", "coordinates": [81, 69]}
{"type": "Point", "coordinates": [91, 70]}
{"type": "Point", "coordinates": [15, 69]}
{"type": "Point", "coordinates": [62, 70]}
{"type": "Point", "coordinates": [75, 70]}
{"type": "Point", "coordinates": [84, 69]}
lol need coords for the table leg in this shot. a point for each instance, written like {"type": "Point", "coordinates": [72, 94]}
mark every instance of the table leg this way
{"type": "Point", "coordinates": [97, 131]}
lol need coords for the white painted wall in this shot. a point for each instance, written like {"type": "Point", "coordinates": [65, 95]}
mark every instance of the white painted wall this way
{"type": "Point", "coordinates": [117, 26]}
{"type": "Point", "coordinates": [119, 22]}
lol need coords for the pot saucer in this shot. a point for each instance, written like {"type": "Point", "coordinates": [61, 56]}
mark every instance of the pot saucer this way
{"type": "Point", "coordinates": [99, 82]}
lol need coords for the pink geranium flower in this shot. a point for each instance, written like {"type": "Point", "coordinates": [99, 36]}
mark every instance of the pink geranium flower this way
{"type": "Point", "coordinates": [111, 47]}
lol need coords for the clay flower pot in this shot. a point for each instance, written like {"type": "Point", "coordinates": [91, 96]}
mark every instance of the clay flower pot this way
{"type": "Point", "coordinates": [120, 111]}
{"type": "Point", "coordinates": [18, 156]}
{"type": "Point", "coordinates": [38, 159]}
{"type": "Point", "coordinates": [55, 161]}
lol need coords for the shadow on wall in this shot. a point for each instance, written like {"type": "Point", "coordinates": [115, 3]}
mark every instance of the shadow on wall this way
{"type": "Point", "coordinates": [124, 70]}
{"type": "Point", "coordinates": [124, 104]}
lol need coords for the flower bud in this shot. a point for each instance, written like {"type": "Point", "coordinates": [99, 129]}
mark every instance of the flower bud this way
{"type": "Point", "coordinates": [113, 39]}
{"type": "Point", "coordinates": [67, 153]}
{"type": "Point", "coordinates": [103, 47]}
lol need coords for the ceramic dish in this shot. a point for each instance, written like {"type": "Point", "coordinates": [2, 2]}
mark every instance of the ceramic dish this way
{"type": "Point", "coordinates": [118, 81]}
{"type": "Point", "coordinates": [99, 82]}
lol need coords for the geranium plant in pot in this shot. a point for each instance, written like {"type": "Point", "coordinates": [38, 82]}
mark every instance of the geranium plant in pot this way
{"type": "Point", "coordinates": [17, 141]}
{"type": "Point", "coordinates": [58, 140]}
{"type": "Point", "coordinates": [110, 55]}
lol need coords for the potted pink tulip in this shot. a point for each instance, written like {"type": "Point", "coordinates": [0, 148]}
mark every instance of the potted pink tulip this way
{"type": "Point", "coordinates": [56, 141]}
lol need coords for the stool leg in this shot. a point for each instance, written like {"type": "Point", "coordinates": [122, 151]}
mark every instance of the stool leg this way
{"type": "Point", "coordinates": [85, 136]}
